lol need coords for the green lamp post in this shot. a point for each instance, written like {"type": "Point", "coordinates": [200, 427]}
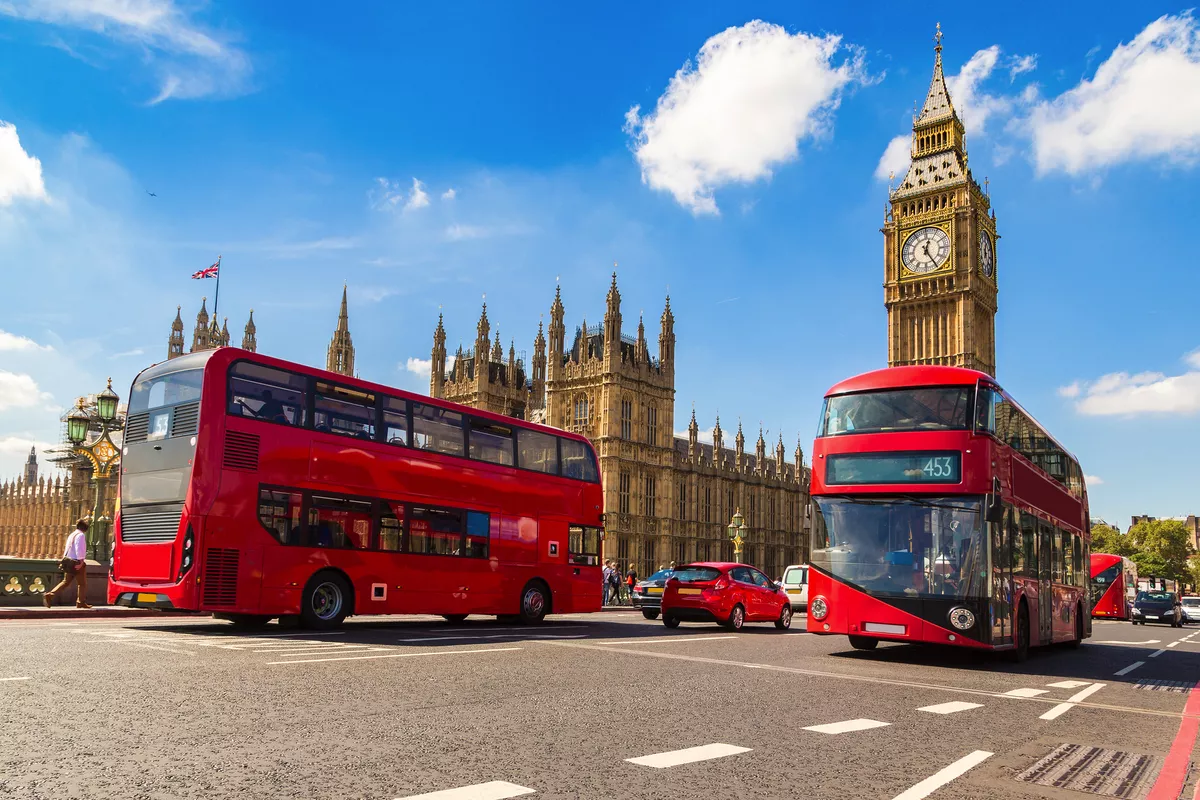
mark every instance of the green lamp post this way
{"type": "Point", "coordinates": [737, 533]}
{"type": "Point", "coordinates": [103, 454]}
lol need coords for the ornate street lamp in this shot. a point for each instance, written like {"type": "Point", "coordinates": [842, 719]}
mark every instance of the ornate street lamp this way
{"type": "Point", "coordinates": [101, 452]}
{"type": "Point", "coordinates": [106, 403]}
{"type": "Point", "coordinates": [737, 532]}
{"type": "Point", "coordinates": [77, 424]}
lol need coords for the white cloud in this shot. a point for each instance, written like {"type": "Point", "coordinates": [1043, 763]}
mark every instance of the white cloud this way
{"type": "Point", "coordinates": [20, 173]}
{"type": "Point", "coordinates": [417, 198]}
{"type": "Point", "coordinates": [419, 366]}
{"type": "Point", "coordinates": [449, 194]}
{"type": "Point", "coordinates": [895, 158]}
{"type": "Point", "coordinates": [1120, 393]}
{"type": "Point", "coordinates": [189, 62]}
{"type": "Point", "coordinates": [457, 232]}
{"type": "Point", "coordinates": [18, 390]}
{"type": "Point", "coordinates": [1093, 480]}
{"type": "Point", "coordinates": [1018, 65]}
{"type": "Point", "coordinates": [390, 194]}
{"type": "Point", "coordinates": [13, 342]}
{"type": "Point", "coordinates": [137, 351]}
{"type": "Point", "coordinates": [1142, 103]}
{"type": "Point", "coordinates": [14, 451]}
{"type": "Point", "coordinates": [753, 93]}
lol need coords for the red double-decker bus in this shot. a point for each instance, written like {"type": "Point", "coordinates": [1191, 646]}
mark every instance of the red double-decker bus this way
{"type": "Point", "coordinates": [1114, 585]}
{"type": "Point", "coordinates": [254, 488]}
{"type": "Point", "coordinates": [943, 513]}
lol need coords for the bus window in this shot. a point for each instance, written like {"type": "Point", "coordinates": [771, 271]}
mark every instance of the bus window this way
{"type": "Point", "coordinates": [343, 411]}
{"type": "Point", "coordinates": [166, 390]}
{"type": "Point", "coordinates": [490, 442]}
{"type": "Point", "coordinates": [437, 429]}
{"type": "Point", "coordinates": [436, 531]}
{"type": "Point", "coordinates": [986, 401]}
{"type": "Point", "coordinates": [271, 395]}
{"type": "Point", "coordinates": [537, 451]}
{"type": "Point", "coordinates": [279, 513]}
{"type": "Point", "coordinates": [478, 526]}
{"type": "Point", "coordinates": [339, 522]}
{"type": "Point", "coordinates": [1029, 545]}
{"type": "Point", "coordinates": [395, 421]}
{"type": "Point", "coordinates": [391, 526]}
{"type": "Point", "coordinates": [583, 545]}
{"type": "Point", "coordinates": [577, 461]}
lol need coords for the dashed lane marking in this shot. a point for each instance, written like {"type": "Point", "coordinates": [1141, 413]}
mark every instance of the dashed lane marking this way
{"type": "Point", "coordinates": [396, 655]}
{"type": "Point", "coordinates": [944, 776]}
{"type": "Point", "coordinates": [688, 755]}
{"type": "Point", "coordinates": [157, 647]}
{"type": "Point", "coordinates": [1173, 644]}
{"type": "Point", "coordinates": [1129, 669]}
{"type": "Point", "coordinates": [355, 650]}
{"type": "Point", "coordinates": [495, 636]}
{"type": "Point", "coordinates": [668, 639]}
{"type": "Point", "coordinates": [1024, 693]}
{"type": "Point", "coordinates": [848, 726]}
{"type": "Point", "coordinates": [953, 707]}
{"type": "Point", "coordinates": [1157, 653]}
{"type": "Point", "coordinates": [25, 678]}
{"type": "Point", "coordinates": [1068, 684]}
{"type": "Point", "coordinates": [1114, 641]}
{"type": "Point", "coordinates": [492, 790]}
{"type": "Point", "coordinates": [1063, 708]}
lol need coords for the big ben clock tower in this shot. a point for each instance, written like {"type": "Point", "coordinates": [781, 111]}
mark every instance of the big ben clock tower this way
{"type": "Point", "coordinates": [940, 247]}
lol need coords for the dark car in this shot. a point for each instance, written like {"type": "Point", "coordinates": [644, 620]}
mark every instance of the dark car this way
{"type": "Point", "coordinates": [1157, 606]}
{"type": "Point", "coordinates": [647, 594]}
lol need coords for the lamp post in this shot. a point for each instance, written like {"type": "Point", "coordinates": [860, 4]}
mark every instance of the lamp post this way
{"type": "Point", "coordinates": [103, 454]}
{"type": "Point", "coordinates": [737, 533]}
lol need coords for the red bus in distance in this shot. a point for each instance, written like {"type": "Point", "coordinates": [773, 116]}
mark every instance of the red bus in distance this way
{"type": "Point", "coordinates": [255, 488]}
{"type": "Point", "coordinates": [1114, 585]}
{"type": "Point", "coordinates": [943, 513]}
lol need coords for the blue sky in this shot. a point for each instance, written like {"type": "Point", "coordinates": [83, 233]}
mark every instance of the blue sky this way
{"type": "Point", "coordinates": [735, 153]}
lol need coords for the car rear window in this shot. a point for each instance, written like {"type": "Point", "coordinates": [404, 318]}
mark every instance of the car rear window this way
{"type": "Point", "coordinates": [794, 577]}
{"type": "Point", "coordinates": [1191, 601]}
{"type": "Point", "coordinates": [697, 574]}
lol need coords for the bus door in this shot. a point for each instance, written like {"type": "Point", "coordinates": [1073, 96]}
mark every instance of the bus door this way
{"type": "Point", "coordinates": [1045, 585]}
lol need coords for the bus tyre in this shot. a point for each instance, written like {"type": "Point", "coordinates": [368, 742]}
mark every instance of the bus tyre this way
{"type": "Point", "coordinates": [535, 603]}
{"type": "Point", "coordinates": [670, 621]}
{"type": "Point", "coordinates": [325, 602]}
{"type": "Point", "coordinates": [785, 617]}
{"type": "Point", "coordinates": [863, 642]}
{"type": "Point", "coordinates": [247, 621]}
{"type": "Point", "coordinates": [650, 613]}
{"type": "Point", "coordinates": [737, 618]}
{"type": "Point", "coordinates": [1078, 640]}
{"type": "Point", "coordinates": [1020, 652]}
{"type": "Point", "coordinates": [456, 618]}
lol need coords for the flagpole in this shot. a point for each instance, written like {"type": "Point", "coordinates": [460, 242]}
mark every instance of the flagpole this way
{"type": "Point", "coordinates": [217, 295]}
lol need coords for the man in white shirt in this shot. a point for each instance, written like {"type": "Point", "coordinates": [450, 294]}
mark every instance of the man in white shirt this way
{"type": "Point", "coordinates": [74, 567]}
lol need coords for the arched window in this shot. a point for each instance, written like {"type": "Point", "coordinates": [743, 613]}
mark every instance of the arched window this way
{"type": "Point", "coordinates": [581, 409]}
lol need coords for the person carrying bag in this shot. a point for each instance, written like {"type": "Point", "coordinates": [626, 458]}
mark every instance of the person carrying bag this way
{"type": "Point", "coordinates": [74, 567]}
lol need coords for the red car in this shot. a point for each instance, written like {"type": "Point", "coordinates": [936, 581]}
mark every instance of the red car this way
{"type": "Point", "coordinates": [728, 594]}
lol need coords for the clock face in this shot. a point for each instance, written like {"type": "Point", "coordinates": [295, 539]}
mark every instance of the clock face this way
{"type": "Point", "coordinates": [925, 250]}
{"type": "Point", "coordinates": [987, 258]}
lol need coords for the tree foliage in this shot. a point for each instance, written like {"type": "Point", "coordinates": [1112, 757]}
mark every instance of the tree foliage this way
{"type": "Point", "coordinates": [1162, 548]}
{"type": "Point", "coordinates": [1107, 539]}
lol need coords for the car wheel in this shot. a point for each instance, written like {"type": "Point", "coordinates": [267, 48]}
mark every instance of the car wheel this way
{"type": "Point", "coordinates": [737, 618]}
{"type": "Point", "coordinates": [325, 601]}
{"type": "Point", "coordinates": [650, 613]}
{"type": "Point", "coordinates": [863, 642]}
{"type": "Point", "coordinates": [785, 618]}
{"type": "Point", "coordinates": [670, 621]}
{"type": "Point", "coordinates": [454, 617]}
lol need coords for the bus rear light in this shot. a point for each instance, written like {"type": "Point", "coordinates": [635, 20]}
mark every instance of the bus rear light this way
{"type": "Point", "coordinates": [819, 608]}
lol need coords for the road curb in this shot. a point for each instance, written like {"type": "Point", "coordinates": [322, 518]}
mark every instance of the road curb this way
{"type": "Point", "coordinates": [96, 612]}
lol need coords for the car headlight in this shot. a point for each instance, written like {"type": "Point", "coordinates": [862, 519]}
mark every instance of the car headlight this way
{"type": "Point", "coordinates": [1137, 612]}
{"type": "Point", "coordinates": [818, 608]}
{"type": "Point", "coordinates": [962, 618]}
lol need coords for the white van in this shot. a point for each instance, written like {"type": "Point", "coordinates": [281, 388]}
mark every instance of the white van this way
{"type": "Point", "coordinates": [795, 583]}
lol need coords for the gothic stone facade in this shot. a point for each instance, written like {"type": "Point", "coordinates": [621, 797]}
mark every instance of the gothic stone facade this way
{"type": "Point", "coordinates": [940, 279]}
{"type": "Point", "coordinates": [666, 498]}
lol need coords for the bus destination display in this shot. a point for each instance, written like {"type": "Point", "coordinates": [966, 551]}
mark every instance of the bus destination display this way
{"type": "Point", "coordinates": [894, 468]}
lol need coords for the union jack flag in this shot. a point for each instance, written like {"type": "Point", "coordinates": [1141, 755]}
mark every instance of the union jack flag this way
{"type": "Point", "coordinates": [208, 272]}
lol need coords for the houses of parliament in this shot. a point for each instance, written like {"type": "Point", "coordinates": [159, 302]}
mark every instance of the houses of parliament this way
{"type": "Point", "coordinates": [667, 497]}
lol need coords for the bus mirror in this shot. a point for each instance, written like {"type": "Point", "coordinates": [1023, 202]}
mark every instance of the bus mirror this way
{"type": "Point", "coordinates": [995, 504]}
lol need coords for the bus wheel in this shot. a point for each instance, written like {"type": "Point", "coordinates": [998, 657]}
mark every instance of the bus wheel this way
{"type": "Point", "coordinates": [863, 642]}
{"type": "Point", "coordinates": [325, 602]}
{"type": "Point", "coordinates": [247, 620]}
{"type": "Point", "coordinates": [1020, 653]}
{"type": "Point", "coordinates": [535, 603]}
{"type": "Point", "coordinates": [454, 617]}
{"type": "Point", "coordinates": [650, 613]}
{"type": "Point", "coordinates": [1078, 640]}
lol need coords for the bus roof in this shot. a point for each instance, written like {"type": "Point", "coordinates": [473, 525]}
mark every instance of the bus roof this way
{"type": "Point", "coordinates": [903, 377]}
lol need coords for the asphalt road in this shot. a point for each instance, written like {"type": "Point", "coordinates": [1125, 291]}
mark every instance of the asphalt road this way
{"type": "Point", "coordinates": [589, 706]}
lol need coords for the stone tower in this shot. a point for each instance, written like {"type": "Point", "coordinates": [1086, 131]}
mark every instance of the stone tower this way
{"type": "Point", "coordinates": [341, 348]}
{"type": "Point", "coordinates": [249, 337]}
{"type": "Point", "coordinates": [175, 341]}
{"type": "Point", "coordinates": [437, 357]}
{"type": "Point", "coordinates": [201, 335]}
{"type": "Point", "coordinates": [481, 377]}
{"type": "Point", "coordinates": [940, 279]}
{"type": "Point", "coordinates": [31, 468]}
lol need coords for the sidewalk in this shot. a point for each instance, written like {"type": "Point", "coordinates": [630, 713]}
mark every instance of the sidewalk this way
{"type": "Point", "coordinates": [71, 612]}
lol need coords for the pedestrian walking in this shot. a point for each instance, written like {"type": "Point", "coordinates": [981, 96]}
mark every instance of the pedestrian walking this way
{"type": "Point", "coordinates": [614, 585]}
{"type": "Point", "coordinates": [74, 567]}
{"type": "Point", "coordinates": [604, 582]}
{"type": "Point", "coordinates": [631, 581]}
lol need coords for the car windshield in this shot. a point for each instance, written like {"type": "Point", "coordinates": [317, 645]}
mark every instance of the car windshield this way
{"type": "Point", "coordinates": [794, 576]}
{"type": "Point", "coordinates": [1154, 597]}
{"type": "Point", "coordinates": [696, 574]}
{"type": "Point", "coordinates": [923, 409]}
{"type": "Point", "coordinates": [661, 575]}
{"type": "Point", "coordinates": [902, 545]}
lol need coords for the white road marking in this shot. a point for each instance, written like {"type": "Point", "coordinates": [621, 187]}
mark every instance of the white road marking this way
{"type": "Point", "coordinates": [1115, 641]}
{"type": "Point", "coordinates": [688, 755]}
{"type": "Point", "coordinates": [944, 776]}
{"type": "Point", "coordinates": [15, 679]}
{"type": "Point", "coordinates": [396, 655]}
{"type": "Point", "coordinates": [1130, 668]}
{"type": "Point", "coordinates": [680, 638]}
{"type": "Point", "coordinates": [1173, 644]}
{"type": "Point", "coordinates": [492, 790]}
{"type": "Point", "coordinates": [1063, 708]}
{"type": "Point", "coordinates": [953, 707]}
{"type": "Point", "coordinates": [163, 649]}
{"type": "Point", "coordinates": [484, 628]}
{"type": "Point", "coordinates": [849, 726]}
{"type": "Point", "coordinates": [363, 649]}
{"type": "Point", "coordinates": [1157, 653]}
{"type": "Point", "coordinates": [1024, 693]}
{"type": "Point", "coordinates": [1068, 684]}
{"type": "Point", "coordinates": [496, 636]}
